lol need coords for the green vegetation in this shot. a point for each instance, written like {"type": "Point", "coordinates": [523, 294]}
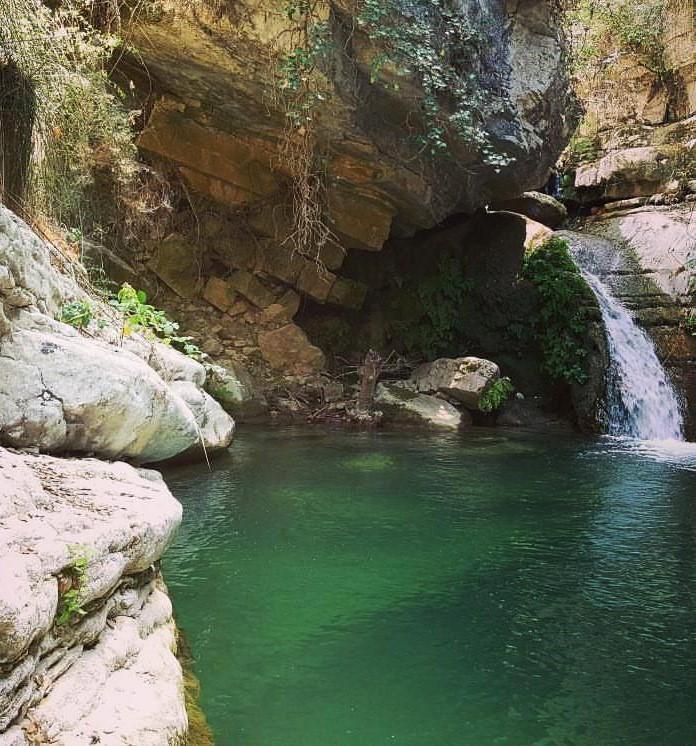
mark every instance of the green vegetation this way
{"type": "Point", "coordinates": [634, 26]}
{"type": "Point", "coordinates": [438, 43]}
{"type": "Point", "coordinates": [79, 314]}
{"type": "Point", "coordinates": [140, 316]}
{"type": "Point", "coordinates": [64, 128]}
{"type": "Point", "coordinates": [561, 321]}
{"type": "Point", "coordinates": [71, 582]}
{"type": "Point", "coordinates": [429, 313]}
{"type": "Point", "coordinates": [496, 394]}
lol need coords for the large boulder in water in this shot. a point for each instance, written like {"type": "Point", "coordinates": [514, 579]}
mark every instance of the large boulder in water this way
{"type": "Point", "coordinates": [402, 405]}
{"type": "Point", "coordinates": [463, 379]}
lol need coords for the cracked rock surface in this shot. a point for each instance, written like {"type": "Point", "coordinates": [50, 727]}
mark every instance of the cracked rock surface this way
{"type": "Point", "coordinates": [62, 390]}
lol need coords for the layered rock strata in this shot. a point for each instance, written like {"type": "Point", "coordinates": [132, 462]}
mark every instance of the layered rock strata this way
{"type": "Point", "coordinates": [86, 629]}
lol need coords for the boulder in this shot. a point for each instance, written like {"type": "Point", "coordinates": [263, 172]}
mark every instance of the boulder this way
{"type": "Point", "coordinates": [401, 404]}
{"type": "Point", "coordinates": [542, 208]}
{"type": "Point", "coordinates": [233, 387]}
{"type": "Point", "coordinates": [219, 294]}
{"type": "Point", "coordinates": [79, 678]}
{"type": "Point", "coordinates": [62, 392]}
{"type": "Point", "coordinates": [251, 288]}
{"type": "Point", "coordinates": [176, 262]}
{"type": "Point", "coordinates": [288, 349]}
{"type": "Point", "coordinates": [215, 426]}
{"type": "Point", "coordinates": [463, 379]}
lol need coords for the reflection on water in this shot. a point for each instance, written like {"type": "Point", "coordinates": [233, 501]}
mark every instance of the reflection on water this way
{"type": "Point", "coordinates": [352, 588]}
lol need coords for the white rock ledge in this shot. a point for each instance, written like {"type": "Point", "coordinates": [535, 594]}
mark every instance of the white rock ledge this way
{"type": "Point", "coordinates": [110, 676]}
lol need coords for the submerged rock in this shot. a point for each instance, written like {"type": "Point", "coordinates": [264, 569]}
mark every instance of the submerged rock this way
{"type": "Point", "coordinates": [402, 405]}
{"type": "Point", "coordinates": [86, 630]}
{"type": "Point", "coordinates": [463, 379]}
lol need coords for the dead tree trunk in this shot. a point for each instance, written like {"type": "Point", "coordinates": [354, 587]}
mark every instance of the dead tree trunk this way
{"type": "Point", "coordinates": [368, 375]}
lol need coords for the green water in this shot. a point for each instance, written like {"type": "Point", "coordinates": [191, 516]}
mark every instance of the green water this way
{"type": "Point", "coordinates": [350, 589]}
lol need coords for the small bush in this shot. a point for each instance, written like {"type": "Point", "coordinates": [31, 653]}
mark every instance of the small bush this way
{"type": "Point", "coordinates": [561, 321]}
{"type": "Point", "coordinates": [496, 394]}
{"type": "Point", "coordinates": [140, 316]}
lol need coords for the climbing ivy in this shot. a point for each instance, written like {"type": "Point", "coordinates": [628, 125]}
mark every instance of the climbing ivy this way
{"type": "Point", "coordinates": [438, 43]}
{"type": "Point", "coordinates": [561, 321]}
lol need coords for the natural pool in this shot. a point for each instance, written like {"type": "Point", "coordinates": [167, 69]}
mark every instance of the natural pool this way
{"type": "Point", "coordinates": [496, 588]}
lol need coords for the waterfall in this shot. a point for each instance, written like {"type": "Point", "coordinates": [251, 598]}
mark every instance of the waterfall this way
{"type": "Point", "coordinates": [641, 401]}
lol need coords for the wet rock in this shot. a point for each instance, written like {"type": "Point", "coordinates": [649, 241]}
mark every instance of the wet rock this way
{"type": "Point", "coordinates": [215, 426]}
{"type": "Point", "coordinates": [463, 379]}
{"type": "Point", "coordinates": [403, 405]}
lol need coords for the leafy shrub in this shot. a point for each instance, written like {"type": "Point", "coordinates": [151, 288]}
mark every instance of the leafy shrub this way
{"type": "Point", "coordinates": [79, 314]}
{"type": "Point", "coordinates": [140, 316]}
{"type": "Point", "coordinates": [431, 310]}
{"type": "Point", "coordinates": [495, 394]}
{"type": "Point", "coordinates": [561, 321]}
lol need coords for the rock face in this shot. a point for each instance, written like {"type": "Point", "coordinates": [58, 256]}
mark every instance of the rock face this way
{"type": "Point", "coordinates": [101, 670]}
{"type": "Point", "coordinates": [463, 379]}
{"type": "Point", "coordinates": [401, 404]}
{"type": "Point", "coordinates": [218, 120]}
{"type": "Point", "coordinates": [216, 115]}
{"type": "Point", "coordinates": [639, 132]}
{"type": "Point", "coordinates": [646, 257]}
{"type": "Point", "coordinates": [65, 391]}
{"type": "Point", "coordinates": [542, 208]}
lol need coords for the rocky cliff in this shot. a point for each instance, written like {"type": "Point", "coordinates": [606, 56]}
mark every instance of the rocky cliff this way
{"type": "Point", "coordinates": [244, 250]}
{"type": "Point", "coordinates": [87, 639]}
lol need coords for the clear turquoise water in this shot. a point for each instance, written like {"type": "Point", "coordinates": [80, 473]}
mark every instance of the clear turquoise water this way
{"type": "Point", "coordinates": [364, 589]}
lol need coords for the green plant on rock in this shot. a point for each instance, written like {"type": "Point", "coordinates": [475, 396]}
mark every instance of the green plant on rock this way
{"type": "Point", "coordinates": [78, 313]}
{"type": "Point", "coordinates": [496, 394]}
{"type": "Point", "coordinates": [561, 321]}
{"type": "Point", "coordinates": [431, 310]}
{"type": "Point", "coordinates": [436, 42]}
{"type": "Point", "coordinates": [71, 582]}
{"type": "Point", "coordinates": [140, 316]}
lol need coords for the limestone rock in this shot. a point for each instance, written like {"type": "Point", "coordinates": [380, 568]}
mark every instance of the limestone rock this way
{"type": "Point", "coordinates": [215, 426]}
{"type": "Point", "coordinates": [348, 293]}
{"type": "Point", "coordinates": [110, 673]}
{"type": "Point", "coordinates": [403, 405]}
{"type": "Point", "coordinates": [535, 234]}
{"type": "Point", "coordinates": [63, 392]}
{"type": "Point", "coordinates": [463, 379]}
{"type": "Point", "coordinates": [233, 387]}
{"type": "Point", "coordinates": [289, 350]}
{"type": "Point", "coordinates": [543, 208]}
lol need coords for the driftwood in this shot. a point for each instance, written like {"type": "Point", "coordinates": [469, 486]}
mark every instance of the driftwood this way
{"type": "Point", "coordinates": [368, 375]}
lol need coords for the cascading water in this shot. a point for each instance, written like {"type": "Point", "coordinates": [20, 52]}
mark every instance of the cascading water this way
{"type": "Point", "coordinates": [641, 401]}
